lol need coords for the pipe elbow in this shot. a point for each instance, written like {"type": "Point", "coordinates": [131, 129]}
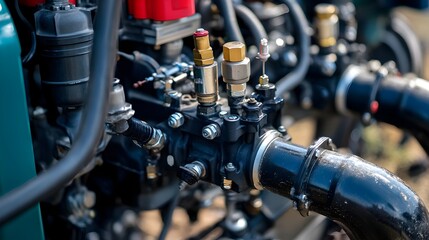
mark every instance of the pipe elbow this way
{"type": "Point", "coordinates": [371, 203]}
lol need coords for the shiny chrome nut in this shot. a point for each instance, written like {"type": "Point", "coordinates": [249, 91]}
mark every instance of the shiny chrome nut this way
{"type": "Point", "coordinates": [236, 72]}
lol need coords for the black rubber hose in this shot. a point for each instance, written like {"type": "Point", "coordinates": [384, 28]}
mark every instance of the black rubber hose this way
{"type": "Point", "coordinates": [142, 59]}
{"type": "Point", "coordinates": [252, 22]}
{"type": "Point", "coordinates": [256, 29]}
{"type": "Point", "coordinates": [168, 216]}
{"type": "Point", "coordinates": [91, 126]}
{"type": "Point", "coordinates": [402, 102]}
{"type": "Point", "coordinates": [367, 201]}
{"type": "Point", "coordinates": [226, 9]}
{"type": "Point", "coordinates": [300, 24]}
{"type": "Point", "coordinates": [138, 131]}
{"type": "Point", "coordinates": [30, 54]}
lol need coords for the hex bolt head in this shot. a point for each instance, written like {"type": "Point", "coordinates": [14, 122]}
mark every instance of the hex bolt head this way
{"type": "Point", "coordinates": [211, 131]}
{"type": "Point", "coordinates": [234, 51]}
{"type": "Point", "coordinates": [176, 120]}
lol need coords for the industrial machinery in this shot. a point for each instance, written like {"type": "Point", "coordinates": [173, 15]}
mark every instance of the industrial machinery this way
{"type": "Point", "coordinates": [111, 108]}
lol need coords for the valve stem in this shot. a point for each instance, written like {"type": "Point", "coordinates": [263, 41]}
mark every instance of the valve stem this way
{"type": "Point", "coordinates": [263, 55]}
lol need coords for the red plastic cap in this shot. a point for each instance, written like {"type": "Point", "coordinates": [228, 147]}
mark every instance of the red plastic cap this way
{"type": "Point", "coordinates": [33, 3]}
{"type": "Point", "coordinates": [201, 33]}
{"type": "Point", "coordinates": [374, 107]}
{"type": "Point", "coordinates": [161, 10]}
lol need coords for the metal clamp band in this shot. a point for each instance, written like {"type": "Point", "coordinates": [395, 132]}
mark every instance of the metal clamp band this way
{"type": "Point", "coordinates": [299, 191]}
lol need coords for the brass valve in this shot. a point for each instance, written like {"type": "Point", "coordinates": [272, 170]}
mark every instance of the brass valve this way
{"type": "Point", "coordinates": [203, 53]}
{"type": "Point", "coordinates": [205, 74]}
{"type": "Point", "coordinates": [235, 68]}
{"type": "Point", "coordinates": [326, 24]}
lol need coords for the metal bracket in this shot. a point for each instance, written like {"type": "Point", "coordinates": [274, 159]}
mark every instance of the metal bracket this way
{"type": "Point", "coordinates": [299, 190]}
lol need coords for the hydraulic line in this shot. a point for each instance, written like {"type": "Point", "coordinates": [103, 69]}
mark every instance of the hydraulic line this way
{"type": "Point", "coordinates": [252, 22]}
{"type": "Point", "coordinates": [30, 54]}
{"type": "Point", "coordinates": [292, 79]}
{"type": "Point", "coordinates": [226, 8]}
{"type": "Point", "coordinates": [91, 126]}
{"type": "Point", "coordinates": [367, 201]}
{"type": "Point", "coordinates": [256, 28]}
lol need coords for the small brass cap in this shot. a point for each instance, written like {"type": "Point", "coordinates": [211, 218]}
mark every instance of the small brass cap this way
{"type": "Point", "coordinates": [203, 53]}
{"type": "Point", "coordinates": [234, 51]}
{"type": "Point", "coordinates": [325, 11]}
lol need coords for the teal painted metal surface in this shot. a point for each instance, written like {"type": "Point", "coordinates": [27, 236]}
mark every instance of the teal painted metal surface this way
{"type": "Point", "coordinates": [16, 151]}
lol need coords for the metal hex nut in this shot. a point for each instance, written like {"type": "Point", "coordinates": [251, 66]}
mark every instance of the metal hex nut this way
{"type": "Point", "coordinates": [236, 72]}
{"type": "Point", "coordinates": [237, 90]}
{"type": "Point", "coordinates": [234, 51]}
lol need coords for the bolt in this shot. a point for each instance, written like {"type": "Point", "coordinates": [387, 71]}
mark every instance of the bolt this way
{"type": "Point", "coordinates": [230, 167]}
{"type": "Point", "coordinates": [233, 117]}
{"type": "Point", "coordinates": [176, 120]}
{"type": "Point", "coordinates": [222, 114]}
{"type": "Point", "coordinates": [282, 129]}
{"type": "Point", "coordinates": [211, 131]}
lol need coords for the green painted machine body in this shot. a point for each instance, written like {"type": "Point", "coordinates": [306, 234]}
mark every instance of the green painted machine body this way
{"type": "Point", "coordinates": [16, 151]}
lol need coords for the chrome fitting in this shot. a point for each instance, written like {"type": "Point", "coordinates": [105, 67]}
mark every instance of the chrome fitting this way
{"type": "Point", "coordinates": [206, 84]}
{"type": "Point", "coordinates": [157, 141]}
{"type": "Point", "coordinates": [211, 131]}
{"type": "Point", "coordinates": [119, 110]}
{"type": "Point", "coordinates": [235, 68]}
{"type": "Point", "coordinates": [176, 120]}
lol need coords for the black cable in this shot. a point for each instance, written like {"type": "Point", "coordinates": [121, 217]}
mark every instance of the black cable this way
{"type": "Point", "coordinates": [91, 126]}
{"type": "Point", "coordinates": [226, 9]}
{"type": "Point", "coordinates": [24, 20]}
{"type": "Point", "coordinates": [168, 217]}
{"type": "Point", "coordinates": [300, 24]}
{"type": "Point", "coordinates": [256, 29]}
{"type": "Point", "coordinates": [252, 22]}
{"type": "Point", "coordinates": [142, 59]}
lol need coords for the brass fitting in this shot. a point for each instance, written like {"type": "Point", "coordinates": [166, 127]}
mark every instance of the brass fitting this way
{"type": "Point", "coordinates": [326, 24]}
{"type": "Point", "coordinates": [235, 68]}
{"type": "Point", "coordinates": [205, 71]}
{"type": "Point", "coordinates": [203, 53]}
{"type": "Point", "coordinates": [234, 51]}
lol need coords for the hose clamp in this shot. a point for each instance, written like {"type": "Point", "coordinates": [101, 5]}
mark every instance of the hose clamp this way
{"type": "Point", "coordinates": [299, 190]}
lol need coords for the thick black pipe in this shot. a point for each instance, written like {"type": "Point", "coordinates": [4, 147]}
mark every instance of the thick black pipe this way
{"type": "Point", "coordinates": [91, 126]}
{"type": "Point", "coordinates": [367, 201]}
{"type": "Point", "coordinates": [403, 102]}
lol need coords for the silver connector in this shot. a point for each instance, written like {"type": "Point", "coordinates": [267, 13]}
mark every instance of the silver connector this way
{"type": "Point", "coordinates": [264, 53]}
{"type": "Point", "coordinates": [157, 141]}
{"type": "Point", "coordinates": [206, 84]}
{"type": "Point", "coordinates": [211, 131]}
{"type": "Point", "coordinates": [176, 120]}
